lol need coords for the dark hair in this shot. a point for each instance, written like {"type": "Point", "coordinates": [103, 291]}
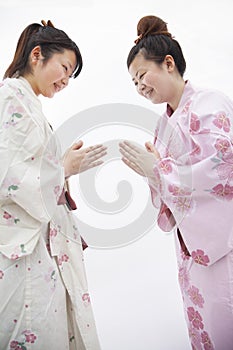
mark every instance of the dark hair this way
{"type": "Point", "coordinates": [155, 42]}
{"type": "Point", "coordinates": [51, 40]}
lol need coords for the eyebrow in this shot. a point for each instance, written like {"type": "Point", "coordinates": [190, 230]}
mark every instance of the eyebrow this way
{"type": "Point", "coordinates": [70, 65]}
{"type": "Point", "coordinates": [71, 68]}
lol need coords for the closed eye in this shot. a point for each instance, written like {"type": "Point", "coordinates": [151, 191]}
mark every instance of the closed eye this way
{"type": "Point", "coordinates": [141, 76]}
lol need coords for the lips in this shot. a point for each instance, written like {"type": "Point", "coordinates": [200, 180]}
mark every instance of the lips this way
{"type": "Point", "coordinates": [57, 87]}
{"type": "Point", "coordinates": [148, 93]}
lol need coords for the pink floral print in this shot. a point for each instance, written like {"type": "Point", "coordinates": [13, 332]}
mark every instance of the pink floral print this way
{"type": "Point", "coordinates": [14, 256]}
{"type": "Point", "coordinates": [222, 122]}
{"type": "Point", "coordinates": [206, 341]}
{"type": "Point", "coordinates": [183, 204]}
{"type": "Point", "coordinates": [200, 258]}
{"type": "Point", "coordinates": [182, 198]}
{"type": "Point", "coordinates": [11, 220]}
{"type": "Point", "coordinates": [63, 258]}
{"type": "Point", "coordinates": [29, 338]}
{"type": "Point", "coordinates": [195, 296]}
{"type": "Point", "coordinates": [179, 191]}
{"type": "Point", "coordinates": [222, 145]}
{"type": "Point", "coordinates": [165, 166]}
{"type": "Point", "coordinates": [194, 123]}
{"type": "Point", "coordinates": [52, 232]}
{"type": "Point", "coordinates": [223, 160]}
{"type": "Point", "coordinates": [225, 170]}
{"type": "Point", "coordinates": [195, 318]}
{"type": "Point", "coordinates": [15, 112]}
{"type": "Point", "coordinates": [195, 338]}
{"type": "Point", "coordinates": [183, 277]}
{"type": "Point", "coordinates": [86, 299]}
{"type": "Point", "coordinates": [224, 192]}
{"type": "Point", "coordinates": [186, 107]}
{"type": "Point", "coordinates": [203, 122]}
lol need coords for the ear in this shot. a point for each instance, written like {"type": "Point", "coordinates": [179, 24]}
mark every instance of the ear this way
{"type": "Point", "coordinates": [36, 54]}
{"type": "Point", "coordinates": [170, 63]}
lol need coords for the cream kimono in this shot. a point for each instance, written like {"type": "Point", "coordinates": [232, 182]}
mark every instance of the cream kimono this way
{"type": "Point", "coordinates": [45, 302]}
{"type": "Point", "coordinates": [194, 191]}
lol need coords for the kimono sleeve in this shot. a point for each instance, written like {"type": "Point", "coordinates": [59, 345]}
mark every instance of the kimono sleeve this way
{"type": "Point", "coordinates": [196, 182]}
{"type": "Point", "coordinates": [32, 177]}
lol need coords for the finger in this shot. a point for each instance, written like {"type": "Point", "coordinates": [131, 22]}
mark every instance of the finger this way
{"type": "Point", "coordinates": [128, 151]}
{"type": "Point", "coordinates": [95, 164]}
{"type": "Point", "coordinates": [127, 155]}
{"type": "Point", "coordinates": [131, 146]}
{"type": "Point", "coordinates": [93, 157]}
{"type": "Point", "coordinates": [97, 151]}
{"type": "Point", "coordinates": [149, 147]}
{"type": "Point", "coordinates": [95, 147]}
{"type": "Point", "coordinates": [132, 165]}
{"type": "Point", "coordinates": [77, 145]}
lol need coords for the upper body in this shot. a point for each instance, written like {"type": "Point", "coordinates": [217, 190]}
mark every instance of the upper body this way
{"type": "Point", "coordinates": [44, 61]}
{"type": "Point", "coordinates": [190, 165]}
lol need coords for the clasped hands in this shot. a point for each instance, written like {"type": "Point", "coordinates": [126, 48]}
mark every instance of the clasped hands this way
{"type": "Point", "coordinates": [78, 159]}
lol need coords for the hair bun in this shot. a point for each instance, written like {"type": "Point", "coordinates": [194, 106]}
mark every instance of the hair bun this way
{"type": "Point", "coordinates": [151, 25]}
{"type": "Point", "coordinates": [47, 24]}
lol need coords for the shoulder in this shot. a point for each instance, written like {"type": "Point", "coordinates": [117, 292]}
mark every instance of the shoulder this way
{"type": "Point", "coordinates": [208, 101]}
{"type": "Point", "coordinates": [210, 110]}
{"type": "Point", "coordinates": [20, 111]}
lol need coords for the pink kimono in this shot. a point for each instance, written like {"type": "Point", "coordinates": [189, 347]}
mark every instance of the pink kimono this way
{"type": "Point", "coordinates": [194, 190]}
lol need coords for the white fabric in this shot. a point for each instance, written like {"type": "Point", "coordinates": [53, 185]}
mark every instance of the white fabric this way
{"type": "Point", "coordinates": [43, 287]}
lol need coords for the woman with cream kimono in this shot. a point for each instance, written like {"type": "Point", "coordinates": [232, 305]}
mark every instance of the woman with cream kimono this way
{"type": "Point", "coordinates": [44, 296]}
{"type": "Point", "coordinates": [190, 173]}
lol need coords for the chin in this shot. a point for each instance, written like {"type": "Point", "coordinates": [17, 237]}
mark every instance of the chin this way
{"type": "Point", "coordinates": [48, 95]}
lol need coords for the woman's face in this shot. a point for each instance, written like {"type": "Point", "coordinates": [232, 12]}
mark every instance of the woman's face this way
{"type": "Point", "coordinates": [52, 76]}
{"type": "Point", "coordinates": [153, 81]}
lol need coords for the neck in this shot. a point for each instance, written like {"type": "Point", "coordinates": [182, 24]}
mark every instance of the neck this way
{"type": "Point", "coordinates": [31, 80]}
{"type": "Point", "coordinates": [178, 88]}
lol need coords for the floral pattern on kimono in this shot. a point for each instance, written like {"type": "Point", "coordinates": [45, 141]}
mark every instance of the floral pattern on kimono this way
{"type": "Point", "coordinates": [45, 302]}
{"type": "Point", "coordinates": [195, 194]}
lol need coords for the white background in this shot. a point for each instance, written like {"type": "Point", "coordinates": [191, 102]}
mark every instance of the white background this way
{"type": "Point", "coordinates": [134, 288]}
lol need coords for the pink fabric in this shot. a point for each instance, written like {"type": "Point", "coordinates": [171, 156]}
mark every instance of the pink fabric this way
{"type": "Point", "coordinates": [195, 194]}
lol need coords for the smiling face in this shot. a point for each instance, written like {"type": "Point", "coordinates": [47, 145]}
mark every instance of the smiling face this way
{"type": "Point", "coordinates": [152, 80]}
{"type": "Point", "coordinates": [52, 76]}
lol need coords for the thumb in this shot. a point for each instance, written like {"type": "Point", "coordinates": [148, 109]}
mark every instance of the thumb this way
{"type": "Point", "coordinates": [149, 147]}
{"type": "Point", "coordinates": [77, 145]}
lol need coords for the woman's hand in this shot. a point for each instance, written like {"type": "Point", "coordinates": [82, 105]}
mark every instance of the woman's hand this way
{"type": "Point", "coordinates": [78, 159]}
{"type": "Point", "coordinates": [138, 159]}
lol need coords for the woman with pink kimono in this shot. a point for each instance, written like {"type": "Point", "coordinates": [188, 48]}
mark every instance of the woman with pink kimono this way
{"type": "Point", "coordinates": [44, 296]}
{"type": "Point", "coordinates": [190, 173]}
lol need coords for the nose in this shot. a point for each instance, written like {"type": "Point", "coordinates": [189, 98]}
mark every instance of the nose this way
{"type": "Point", "coordinates": [65, 82]}
{"type": "Point", "coordinates": [141, 88]}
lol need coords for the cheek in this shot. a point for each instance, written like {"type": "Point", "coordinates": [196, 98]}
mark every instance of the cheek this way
{"type": "Point", "coordinates": [139, 91]}
{"type": "Point", "coordinates": [150, 81]}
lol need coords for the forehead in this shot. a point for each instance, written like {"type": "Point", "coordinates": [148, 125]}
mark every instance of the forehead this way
{"type": "Point", "coordinates": [140, 63]}
{"type": "Point", "coordinates": [66, 55]}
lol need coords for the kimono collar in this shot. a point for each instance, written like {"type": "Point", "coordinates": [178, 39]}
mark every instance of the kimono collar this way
{"type": "Point", "coordinates": [187, 93]}
{"type": "Point", "coordinates": [24, 89]}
